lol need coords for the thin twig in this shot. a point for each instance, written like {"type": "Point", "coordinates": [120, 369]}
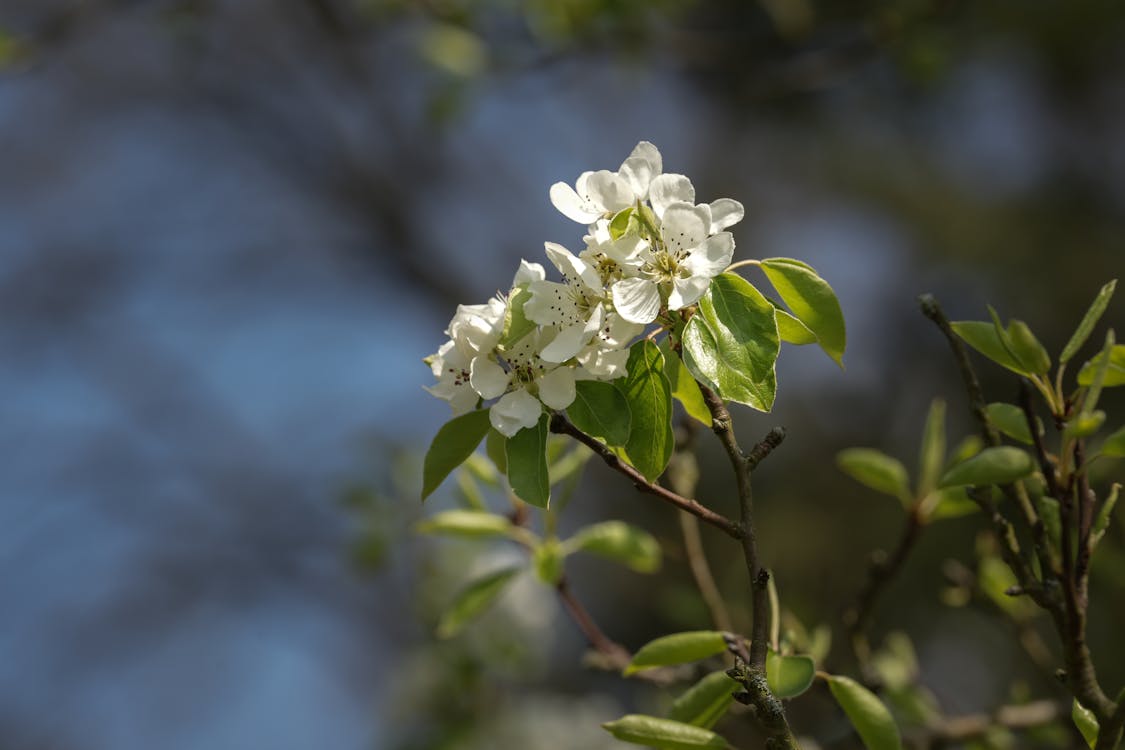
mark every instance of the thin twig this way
{"type": "Point", "coordinates": [616, 655]}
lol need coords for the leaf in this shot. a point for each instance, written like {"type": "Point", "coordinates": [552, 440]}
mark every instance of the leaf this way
{"type": "Point", "coordinates": [871, 719]}
{"type": "Point", "coordinates": [1114, 445]}
{"type": "Point", "coordinates": [454, 442]}
{"type": "Point", "coordinates": [547, 559]}
{"type": "Point", "coordinates": [1086, 722]}
{"type": "Point", "coordinates": [618, 541]}
{"type": "Point", "coordinates": [526, 455]}
{"type": "Point", "coordinates": [1089, 320]}
{"type": "Point", "coordinates": [1115, 371]}
{"type": "Point", "coordinates": [663, 733]}
{"type": "Point", "coordinates": [1102, 521]}
{"type": "Point", "coordinates": [876, 470]}
{"type": "Point", "coordinates": [812, 301]}
{"type": "Point", "coordinates": [1027, 348]}
{"type": "Point", "coordinates": [951, 502]}
{"type": "Point", "coordinates": [496, 446]}
{"type": "Point", "coordinates": [599, 409]}
{"type": "Point", "coordinates": [619, 225]}
{"type": "Point", "coordinates": [466, 523]}
{"type": "Point", "coordinates": [649, 395]}
{"type": "Point", "coordinates": [732, 342]}
{"type": "Point", "coordinates": [516, 324]}
{"type": "Point", "coordinates": [684, 388]}
{"type": "Point", "coordinates": [966, 449]}
{"type": "Point", "coordinates": [1084, 424]}
{"type": "Point", "coordinates": [705, 702]}
{"type": "Point", "coordinates": [932, 454]}
{"type": "Point", "coordinates": [791, 330]}
{"type": "Point", "coordinates": [789, 676]}
{"type": "Point", "coordinates": [1011, 420]}
{"type": "Point", "coordinates": [473, 600]}
{"type": "Point", "coordinates": [1000, 465]}
{"type": "Point", "coordinates": [984, 338]}
{"type": "Point", "coordinates": [677, 648]}
{"type": "Point", "coordinates": [896, 663]}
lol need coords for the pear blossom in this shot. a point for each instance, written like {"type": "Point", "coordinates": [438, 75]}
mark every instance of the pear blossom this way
{"type": "Point", "coordinates": [527, 380]}
{"type": "Point", "coordinates": [604, 193]}
{"type": "Point", "coordinates": [575, 307]}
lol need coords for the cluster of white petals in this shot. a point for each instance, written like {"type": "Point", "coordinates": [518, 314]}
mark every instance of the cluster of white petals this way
{"type": "Point", "coordinates": [650, 249]}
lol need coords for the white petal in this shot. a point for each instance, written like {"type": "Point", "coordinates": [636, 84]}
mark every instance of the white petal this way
{"type": "Point", "coordinates": [515, 411]}
{"type": "Point", "coordinates": [608, 192]}
{"type": "Point", "coordinates": [641, 167]}
{"type": "Point", "coordinates": [463, 401]}
{"type": "Point", "coordinates": [603, 364]}
{"type": "Point", "coordinates": [572, 267]}
{"type": "Point", "coordinates": [556, 388]}
{"type": "Point", "coordinates": [571, 205]}
{"type": "Point", "coordinates": [687, 291]}
{"type": "Point", "coordinates": [617, 332]}
{"type": "Point", "coordinates": [684, 227]}
{"type": "Point", "coordinates": [725, 212]}
{"type": "Point", "coordinates": [712, 257]}
{"type": "Point", "coordinates": [488, 378]}
{"type": "Point", "coordinates": [650, 153]}
{"type": "Point", "coordinates": [667, 189]}
{"type": "Point", "coordinates": [568, 343]}
{"type": "Point", "coordinates": [551, 304]}
{"type": "Point", "coordinates": [528, 272]}
{"type": "Point", "coordinates": [636, 300]}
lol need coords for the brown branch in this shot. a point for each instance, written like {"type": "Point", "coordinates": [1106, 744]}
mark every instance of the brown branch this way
{"type": "Point", "coordinates": [617, 656]}
{"type": "Point", "coordinates": [956, 729]}
{"type": "Point", "coordinates": [563, 426]}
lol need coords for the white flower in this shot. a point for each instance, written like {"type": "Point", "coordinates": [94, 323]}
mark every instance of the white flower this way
{"type": "Point", "coordinates": [451, 367]}
{"type": "Point", "coordinates": [612, 259]}
{"type": "Point", "coordinates": [598, 194]}
{"type": "Point", "coordinates": [675, 188]}
{"type": "Point", "coordinates": [526, 376]}
{"type": "Point", "coordinates": [681, 265]}
{"type": "Point", "coordinates": [575, 307]}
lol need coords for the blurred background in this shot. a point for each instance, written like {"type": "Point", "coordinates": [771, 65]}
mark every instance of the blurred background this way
{"type": "Point", "coordinates": [231, 229]}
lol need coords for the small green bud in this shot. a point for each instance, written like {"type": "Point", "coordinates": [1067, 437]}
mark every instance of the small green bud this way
{"type": "Point", "coordinates": [1027, 348]}
{"type": "Point", "coordinates": [1085, 424]}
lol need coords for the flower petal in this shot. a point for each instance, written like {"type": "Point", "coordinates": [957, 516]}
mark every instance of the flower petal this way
{"type": "Point", "coordinates": [487, 377]}
{"type": "Point", "coordinates": [711, 257]}
{"type": "Point", "coordinates": [608, 192]}
{"type": "Point", "coordinates": [641, 167]}
{"type": "Point", "coordinates": [684, 227]}
{"type": "Point", "coordinates": [604, 364]}
{"type": "Point", "coordinates": [527, 273]}
{"type": "Point", "coordinates": [515, 411]}
{"type": "Point", "coordinates": [571, 205]}
{"type": "Point", "coordinates": [566, 344]}
{"type": "Point", "coordinates": [725, 212]}
{"type": "Point", "coordinates": [573, 267]}
{"type": "Point", "coordinates": [556, 388]}
{"type": "Point", "coordinates": [667, 189]}
{"type": "Point", "coordinates": [551, 304]}
{"type": "Point", "coordinates": [687, 291]}
{"type": "Point", "coordinates": [637, 300]}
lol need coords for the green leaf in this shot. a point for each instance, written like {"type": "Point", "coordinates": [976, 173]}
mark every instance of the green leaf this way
{"type": "Point", "coordinates": [547, 559]}
{"type": "Point", "coordinates": [473, 600]}
{"type": "Point", "coordinates": [677, 648]}
{"type": "Point", "coordinates": [1000, 465]}
{"type": "Point", "coordinates": [1085, 424]}
{"type": "Point", "coordinates": [871, 719]}
{"type": "Point", "coordinates": [619, 225]}
{"type": "Point", "coordinates": [966, 449]}
{"type": "Point", "coordinates": [985, 339]}
{"type": "Point", "coordinates": [1089, 320]}
{"type": "Point", "coordinates": [1051, 515]}
{"type": "Point", "coordinates": [1102, 521]}
{"type": "Point", "coordinates": [649, 395]}
{"type": "Point", "coordinates": [684, 388]}
{"type": "Point", "coordinates": [620, 542]}
{"type": "Point", "coordinates": [1027, 348]}
{"type": "Point", "coordinates": [876, 470]}
{"type": "Point", "coordinates": [951, 502]}
{"type": "Point", "coordinates": [812, 301]}
{"type": "Point", "coordinates": [496, 446]}
{"type": "Point", "coordinates": [1086, 722]}
{"type": "Point", "coordinates": [932, 454]}
{"type": "Point", "coordinates": [732, 342]}
{"type": "Point", "coordinates": [663, 733]}
{"type": "Point", "coordinates": [1114, 445]}
{"type": "Point", "coordinates": [896, 663]}
{"type": "Point", "coordinates": [599, 409]}
{"type": "Point", "coordinates": [466, 523]}
{"type": "Point", "coordinates": [1011, 420]}
{"type": "Point", "coordinates": [1115, 371]}
{"type": "Point", "coordinates": [791, 330]}
{"type": "Point", "coordinates": [789, 676]}
{"type": "Point", "coordinates": [526, 455]}
{"type": "Point", "coordinates": [516, 324]}
{"type": "Point", "coordinates": [705, 702]}
{"type": "Point", "coordinates": [454, 442]}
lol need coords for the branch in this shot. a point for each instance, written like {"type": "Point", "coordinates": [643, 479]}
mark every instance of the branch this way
{"type": "Point", "coordinates": [1017, 718]}
{"type": "Point", "coordinates": [563, 426]}
{"type": "Point", "coordinates": [616, 655]}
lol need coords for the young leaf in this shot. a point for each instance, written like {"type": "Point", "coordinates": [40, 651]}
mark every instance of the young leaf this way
{"type": "Point", "coordinates": [466, 523]}
{"type": "Point", "coordinates": [664, 733]}
{"type": "Point", "coordinates": [526, 456]}
{"type": "Point", "coordinates": [601, 410]}
{"type": "Point", "coordinates": [677, 648]}
{"type": "Point", "coordinates": [1086, 722]}
{"type": "Point", "coordinates": [951, 502]}
{"type": "Point", "coordinates": [791, 330]}
{"type": "Point", "coordinates": [1114, 445]}
{"type": "Point", "coordinates": [932, 454]}
{"type": "Point", "coordinates": [1115, 370]}
{"type": "Point", "coordinates": [705, 702]}
{"type": "Point", "coordinates": [876, 470]}
{"type": "Point", "coordinates": [454, 442]}
{"type": "Point", "coordinates": [789, 676]}
{"type": "Point", "coordinates": [985, 339]}
{"type": "Point", "coordinates": [619, 225]}
{"type": "Point", "coordinates": [684, 388]}
{"type": "Point", "coordinates": [812, 301]}
{"type": "Point", "coordinates": [732, 342]}
{"type": "Point", "coordinates": [621, 542]}
{"type": "Point", "coordinates": [991, 466]}
{"type": "Point", "coordinates": [1010, 420]}
{"type": "Point", "coordinates": [1102, 521]}
{"type": "Point", "coordinates": [1085, 424]}
{"type": "Point", "coordinates": [1089, 320]}
{"type": "Point", "coordinates": [871, 719]}
{"type": "Point", "coordinates": [516, 324]}
{"type": "Point", "coordinates": [1027, 348]}
{"type": "Point", "coordinates": [547, 559]}
{"type": "Point", "coordinates": [650, 403]}
{"type": "Point", "coordinates": [473, 600]}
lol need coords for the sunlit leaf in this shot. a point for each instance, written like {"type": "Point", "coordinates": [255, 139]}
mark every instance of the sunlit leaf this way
{"type": "Point", "coordinates": [664, 733]}
{"type": "Point", "coordinates": [1086, 722]}
{"type": "Point", "coordinates": [601, 410]}
{"type": "Point", "coordinates": [466, 523]}
{"type": "Point", "coordinates": [812, 301]}
{"type": "Point", "coordinates": [705, 702]}
{"type": "Point", "coordinates": [789, 676]}
{"type": "Point", "coordinates": [618, 541]}
{"type": "Point", "coordinates": [677, 648]}
{"type": "Point", "coordinates": [985, 339]}
{"type": "Point", "coordinates": [684, 388]}
{"type": "Point", "coordinates": [1089, 321]}
{"type": "Point", "coordinates": [1115, 371]}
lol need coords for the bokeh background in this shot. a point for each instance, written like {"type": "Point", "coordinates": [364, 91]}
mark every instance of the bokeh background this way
{"type": "Point", "coordinates": [231, 229]}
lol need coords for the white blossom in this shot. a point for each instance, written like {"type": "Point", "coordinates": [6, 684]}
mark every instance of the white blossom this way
{"type": "Point", "coordinates": [604, 193]}
{"type": "Point", "coordinates": [521, 381]}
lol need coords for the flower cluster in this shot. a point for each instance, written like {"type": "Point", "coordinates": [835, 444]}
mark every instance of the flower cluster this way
{"type": "Point", "coordinates": [649, 249]}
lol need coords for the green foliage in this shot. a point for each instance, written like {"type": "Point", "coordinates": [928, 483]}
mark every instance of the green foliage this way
{"type": "Point", "coordinates": [732, 344]}
{"type": "Point", "coordinates": [1027, 348]}
{"type": "Point", "coordinates": [789, 676]}
{"type": "Point", "coordinates": [1115, 369]}
{"type": "Point", "coordinates": [649, 396]}
{"type": "Point", "coordinates": [454, 442]}
{"type": "Point", "coordinates": [871, 719]}
{"type": "Point", "coordinates": [791, 330]}
{"type": "Point", "coordinates": [705, 702]}
{"type": "Point", "coordinates": [677, 648]}
{"type": "Point", "coordinates": [466, 523]}
{"type": "Point", "coordinates": [988, 339]}
{"type": "Point", "coordinates": [876, 470]}
{"type": "Point", "coordinates": [601, 410]}
{"type": "Point", "coordinates": [684, 388]}
{"type": "Point", "coordinates": [1089, 320]}
{"type": "Point", "coordinates": [1000, 465]}
{"type": "Point", "coordinates": [516, 324]}
{"type": "Point", "coordinates": [496, 446]}
{"type": "Point", "coordinates": [473, 600]}
{"type": "Point", "coordinates": [547, 560]}
{"type": "Point", "coordinates": [1086, 722]}
{"type": "Point", "coordinates": [932, 453]}
{"type": "Point", "coordinates": [618, 541]}
{"type": "Point", "coordinates": [526, 457]}
{"type": "Point", "coordinates": [1114, 445]}
{"type": "Point", "coordinates": [812, 301]}
{"type": "Point", "coordinates": [1010, 420]}
{"type": "Point", "coordinates": [664, 733]}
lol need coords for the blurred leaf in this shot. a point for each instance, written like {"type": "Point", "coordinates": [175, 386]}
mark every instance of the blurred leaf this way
{"type": "Point", "coordinates": [932, 454]}
{"type": "Point", "coordinates": [876, 470]}
{"type": "Point", "coordinates": [1049, 513]}
{"type": "Point", "coordinates": [468, 491]}
{"type": "Point", "coordinates": [621, 542]}
{"type": "Point", "coordinates": [454, 50]}
{"type": "Point", "coordinates": [547, 559]}
{"type": "Point", "coordinates": [599, 409]}
{"type": "Point", "coordinates": [812, 301]}
{"type": "Point", "coordinates": [650, 403]}
{"type": "Point", "coordinates": [984, 338]}
{"type": "Point", "coordinates": [1086, 722]}
{"type": "Point", "coordinates": [1000, 465]}
{"type": "Point", "coordinates": [1115, 370]}
{"type": "Point", "coordinates": [1101, 523]}
{"type": "Point", "coordinates": [466, 523]}
{"type": "Point", "coordinates": [995, 579]}
{"type": "Point", "coordinates": [663, 733]}
{"type": "Point", "coordinates": [1027, 348]}
{"type": "Point", "coordinates": [1011, 420]}
{"type": "Point", "coordinates": [914, 704]}
{"type": "Point", "coordinates": [705, 702]}
{"type": "Point", "coordinates": [965, 450]}
{"type": "Point", "coordinates": [789, 676]}
{"type": "Point", "coordinates": [454, 442]}
{"type": "Point", "coordinates": [1114, 445]}
{"type": "Point", "coordinates": [1089, 321]}
{"type": "Point", "coordinates": [896, 662]}
{"type": "Point", "coordinates": [473, 600]}
{"type": "Point", "coordinates": [684, 388]}
{"type": "Point", "coordinates": [1084, 424]}
{"type": "Point", "coordinates": [568, 465]}
{"type": "Point", "coordinates": [677, 648]}
{"type": "Point", "coordinates": [951, 502]}
{"type": "Point", "coordinates": [527, 464]}
{"type": "Point", "coordinates": [871, 719]}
